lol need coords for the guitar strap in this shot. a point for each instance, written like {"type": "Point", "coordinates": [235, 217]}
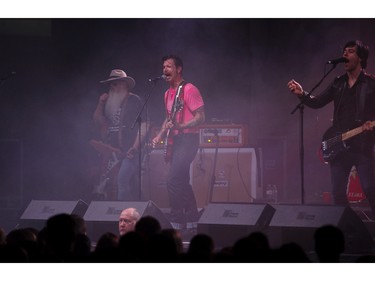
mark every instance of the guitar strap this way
{"type": "Point", "coordinates": [121, 125]}
{"type": "Point", "coordinates": [180, 97]}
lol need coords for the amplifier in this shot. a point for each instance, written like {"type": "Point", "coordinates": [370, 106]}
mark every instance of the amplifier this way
{"type": "Point", "coordinates": [215, 135]}
{"type": "Point", "coordinates": [222, 135]}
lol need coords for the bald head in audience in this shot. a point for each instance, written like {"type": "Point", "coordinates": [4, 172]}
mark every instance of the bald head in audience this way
{"type": "Point", "coordinates": [128, 219]}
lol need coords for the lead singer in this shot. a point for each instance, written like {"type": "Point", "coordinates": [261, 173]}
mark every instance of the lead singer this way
{"type": "Point", "coordinates": [353, 95]}
{"type": "Point", "coordinates": [184, 112]}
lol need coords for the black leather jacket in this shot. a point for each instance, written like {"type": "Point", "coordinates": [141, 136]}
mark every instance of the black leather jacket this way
{"type": "Point", "coordinates": [364, 107]}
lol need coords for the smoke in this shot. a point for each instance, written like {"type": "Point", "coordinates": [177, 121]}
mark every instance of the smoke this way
{"type": "Point", "coordinates": [241, 67]}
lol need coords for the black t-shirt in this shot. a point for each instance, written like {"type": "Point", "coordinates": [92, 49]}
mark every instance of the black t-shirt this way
{"type": "Point", "coordinates": [129, 111]}
{"type": "Point", "coordinates": [346, 111]}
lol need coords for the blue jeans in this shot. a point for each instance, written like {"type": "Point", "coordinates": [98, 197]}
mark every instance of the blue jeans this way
{"type": "Point", "coordinates": [181, 196]}
{"type": "Point", "coordinates": [127, 178]}
{"type": "Point", "coordinates": [340, 170]}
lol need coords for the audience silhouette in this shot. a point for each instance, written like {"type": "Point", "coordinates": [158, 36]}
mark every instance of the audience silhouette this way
{"type": "Point", "coordinates": [2, 237]}
{"type": "Point", "coordinates": [106, 249]}
{"type": "Point", "coordinates": [132, 247]}
{"type": "Point", "coordinates": [253, 248]}
{"type": "Point", "coordinates": [290, 253]}
{"type": "Point", "coordinates": [201, 249]}
{"type": "Point", "coordinates": [64, 239]}
{"type": "Point", "coordinates": [59, 237]}
{"type": "Point", "coordinates": [147, 226]}
{"type": "Point", "coordinates": [329, 243]}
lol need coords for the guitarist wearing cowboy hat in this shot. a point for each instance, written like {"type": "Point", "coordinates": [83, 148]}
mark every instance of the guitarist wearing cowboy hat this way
{"type": "Point", "coordinates": [184, 112]}
{"type": "Point", "coordinates": [119, 145]}
{"type": "Point", "coordinates": [350, 140]}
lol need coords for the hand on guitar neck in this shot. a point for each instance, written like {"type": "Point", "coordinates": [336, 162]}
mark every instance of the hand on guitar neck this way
{"type": "Point", "coordinates": [368, 126]}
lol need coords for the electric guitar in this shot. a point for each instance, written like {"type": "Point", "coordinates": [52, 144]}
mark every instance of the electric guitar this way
{"type": "Point", "coordinates": [334, 142]}
{"type": "Point", "coordinates": [111, 162]}
{"type": "Point", "coordinates": [168, 142]}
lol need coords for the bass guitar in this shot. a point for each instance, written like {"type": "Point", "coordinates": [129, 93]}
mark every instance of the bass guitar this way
{"type": "Point", "coordinates": [334, 142]}
{"type": "Point", "coordinates": [177, 106]}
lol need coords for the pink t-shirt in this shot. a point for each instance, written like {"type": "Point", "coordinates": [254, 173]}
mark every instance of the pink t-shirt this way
{"type": "Point", "coordinates": [192, 100]}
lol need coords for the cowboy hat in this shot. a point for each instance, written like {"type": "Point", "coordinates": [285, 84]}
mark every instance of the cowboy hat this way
{"type": "Point", "coordinates": [118, 74]}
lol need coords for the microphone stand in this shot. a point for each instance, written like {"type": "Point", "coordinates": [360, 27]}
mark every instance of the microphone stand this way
{"type": "Point", "coordinates": [213, 178]}
{"type": "Point", "coordinates": [300, 106]}
{"type": "Point", "coordinates": [138, 120]}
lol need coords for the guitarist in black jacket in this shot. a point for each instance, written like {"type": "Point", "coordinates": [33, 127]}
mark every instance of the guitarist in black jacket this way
{"type": "Point", "coordinates": [350, 141]}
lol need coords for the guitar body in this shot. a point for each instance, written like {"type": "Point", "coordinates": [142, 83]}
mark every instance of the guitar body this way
{"type": "Point", "coordinates": [177, 106]}
{"type": "Point", "coordinates": [332, 144]}
{"type": "Point", "coordinates": [168, 148]}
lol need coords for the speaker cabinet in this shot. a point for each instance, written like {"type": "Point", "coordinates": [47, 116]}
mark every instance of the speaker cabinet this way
{"type": "Point", "coordinates": [226, 223]}
{"type": "Point", "coordinates": [154, 180]}
{"type": "Point", "coordinates": [235, 175]}
{"type": "Point", "coordinates": [298, 223]}
{"type": "Point", "coordinates": [39, 211]}
{"type": "Point", "coordinates": [103, 216]}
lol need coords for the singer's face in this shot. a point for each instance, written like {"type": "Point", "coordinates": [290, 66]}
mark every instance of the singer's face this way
{"type": "Point", "coordinates": [170, 70]}
{"type": "Point", "coordinates": [353, 60]}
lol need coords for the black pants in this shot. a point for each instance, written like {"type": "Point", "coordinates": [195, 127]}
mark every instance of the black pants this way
{"type": "Point", "coordinates": [181, 196]}
{"type": "Point", "coordinates": [340, 170]}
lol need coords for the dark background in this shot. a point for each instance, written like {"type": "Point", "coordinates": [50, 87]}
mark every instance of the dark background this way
{"type": "Point", "coordinates": [241, 66]}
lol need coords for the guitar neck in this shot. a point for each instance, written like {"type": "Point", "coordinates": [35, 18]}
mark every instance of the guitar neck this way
{"type": "Point", "coordinates": [355, 131]}
{"type": "Point", "coordinates": [352, 133]}
{"type": "Point", "coordinates": [175, 109]}
{"type": "Point", "coordinates": [167, 134]}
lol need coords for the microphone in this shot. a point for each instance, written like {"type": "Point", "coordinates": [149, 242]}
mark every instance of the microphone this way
{"type": "Point", "coordinates": [157, 78]}
{"type": "Point", "coordinates": [336, 61]}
